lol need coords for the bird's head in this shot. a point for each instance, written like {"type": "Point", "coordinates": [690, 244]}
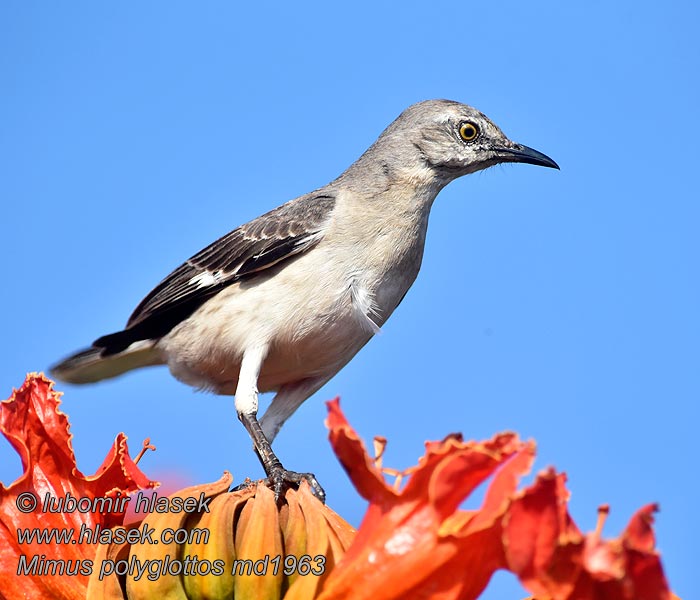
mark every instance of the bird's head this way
{"type": "Point", "coordinates": [454, 139]}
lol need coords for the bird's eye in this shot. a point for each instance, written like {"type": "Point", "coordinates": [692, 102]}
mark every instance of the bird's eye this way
{"type": "Point", "coordinates": [468, 131]}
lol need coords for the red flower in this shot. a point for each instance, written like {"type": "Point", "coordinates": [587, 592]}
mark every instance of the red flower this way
{"type": "Point", "coordinates": [553, 559]}
{"type": "Point", "coordinates": [414, 543]}
{"type": "Point", "coordinates": [39, 432]}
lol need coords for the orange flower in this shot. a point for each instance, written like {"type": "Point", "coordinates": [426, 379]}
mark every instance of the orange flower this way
{"type": "Point", "coordinates": [53, 497]}
{"type": "Point", "coordinates": [554, 560]}
{"type": "Point", "coordinates": [414, 543]}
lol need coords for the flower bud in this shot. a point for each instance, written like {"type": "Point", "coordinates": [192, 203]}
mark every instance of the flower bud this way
{"type": "Point", "coordinates": [240, 544]}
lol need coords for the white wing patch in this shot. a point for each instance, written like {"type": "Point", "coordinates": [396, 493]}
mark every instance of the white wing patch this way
{"type": "Point", "coordinates": [308, 240]}
{"type": "Point", "coordinates": [206, 279]}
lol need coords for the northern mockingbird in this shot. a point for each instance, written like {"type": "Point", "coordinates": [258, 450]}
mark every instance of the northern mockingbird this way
{"type": "Point", "coordinates": [284, 302]}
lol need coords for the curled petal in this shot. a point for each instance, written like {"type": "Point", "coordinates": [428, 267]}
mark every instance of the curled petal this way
{"type": "Point", "coordinates": [554, 560]}
{"type": "Point", "coordinates": [410, 540]}
{"type": "Point", "coordinates": [35, 427]}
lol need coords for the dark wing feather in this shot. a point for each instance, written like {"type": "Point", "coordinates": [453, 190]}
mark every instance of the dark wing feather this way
{"type": "Point", "coordinates": [266, 241]}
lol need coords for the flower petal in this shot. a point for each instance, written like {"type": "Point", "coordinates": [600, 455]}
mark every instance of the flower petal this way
{"type": "Point", "coordinates": [258, 539]}
{"type": "Point", "coordinates": [350, 450]}
{"type": "Point", "coordinates": [554, 560]}
{"type": "Point", "coordinates": [35, 427]}
{"type": "Point", "coordinates": [219, 522]}
{"type": "Point", "coordinates": [143, 581]}
{"type": "Point", "coordinates": [411, 543]}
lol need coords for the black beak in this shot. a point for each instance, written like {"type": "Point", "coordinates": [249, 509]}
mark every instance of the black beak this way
{"type": "Point", "coordinates": [524, 154]}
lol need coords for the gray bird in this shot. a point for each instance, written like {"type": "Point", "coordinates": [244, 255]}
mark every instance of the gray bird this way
{"type": "Point", "coordinates": [285, 301]}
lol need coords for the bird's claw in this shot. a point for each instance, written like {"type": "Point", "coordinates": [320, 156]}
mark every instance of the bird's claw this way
{"type": "Point", "coordinates": [279, 480]}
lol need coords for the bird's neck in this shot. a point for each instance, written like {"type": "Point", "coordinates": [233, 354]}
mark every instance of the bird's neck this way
{"type": "Point", "coordinates": [392, 185]}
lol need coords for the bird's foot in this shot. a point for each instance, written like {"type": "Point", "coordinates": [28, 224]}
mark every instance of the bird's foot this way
{"type": "Point", "coordinates": [279, 480]}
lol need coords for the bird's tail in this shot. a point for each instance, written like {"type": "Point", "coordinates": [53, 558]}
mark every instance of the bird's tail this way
{"type": "Point", "coordinates": [89, 366]}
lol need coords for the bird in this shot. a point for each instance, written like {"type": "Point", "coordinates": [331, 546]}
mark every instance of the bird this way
{"type": "Point", "coordinates": [284, 302]}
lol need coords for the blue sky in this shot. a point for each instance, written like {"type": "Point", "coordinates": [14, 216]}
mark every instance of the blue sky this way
{"type": "Point", "coordinates": [562, 305]}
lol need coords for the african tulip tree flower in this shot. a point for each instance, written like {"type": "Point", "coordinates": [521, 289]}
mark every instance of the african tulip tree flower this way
{"type": "Point", "coordinates": [35, 427]}
{"type": "Point", "coordinates": [554, 560]}
{"type": "Point", "coordinates": [414, 541]}
{"type": "Point", "coordinates": [252, 547]}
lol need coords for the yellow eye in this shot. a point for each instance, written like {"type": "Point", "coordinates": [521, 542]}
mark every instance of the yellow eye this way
{"type": "Point", "coordinates": [468, 131]}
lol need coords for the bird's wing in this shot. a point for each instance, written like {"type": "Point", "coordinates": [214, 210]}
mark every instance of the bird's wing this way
{"type": "Point", "coordinates": [263, 242]}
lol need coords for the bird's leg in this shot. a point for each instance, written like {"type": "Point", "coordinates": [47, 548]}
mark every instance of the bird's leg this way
{"type": "Point", "coordinates": [278, 478]}
{"type": "Point", "coordinates": [288, 398]}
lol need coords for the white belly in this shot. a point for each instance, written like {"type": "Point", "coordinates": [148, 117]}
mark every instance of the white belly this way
{"type": "Point", "coordinates": [314, 314]}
